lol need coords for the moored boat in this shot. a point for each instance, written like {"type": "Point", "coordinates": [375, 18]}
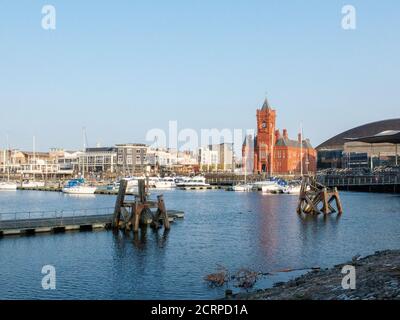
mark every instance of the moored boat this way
{"type": "Point", "coordinates": [165, 183]}
{"type": "Point", "coordinates": [292, 189]}
{"type": "Point", "coordinates": [242, 188]}
{"type": "Point", "coordinates": [198, 181]}
{"type": "Point", "coordinates": [33, 184]}
{"type": "Point", "coordinates": [8, 186]}
{"type": "Point", "coordinates": [78, 186]}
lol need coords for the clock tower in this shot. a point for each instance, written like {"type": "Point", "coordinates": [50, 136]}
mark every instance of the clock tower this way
{"type": "Point", "coordinates": [264, 149]}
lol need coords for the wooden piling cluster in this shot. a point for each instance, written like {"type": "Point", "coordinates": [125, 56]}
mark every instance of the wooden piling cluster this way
{"type": "Point", "coordinates": [316, 198]}
{"type": "Point", "coordinates": [129, 215]}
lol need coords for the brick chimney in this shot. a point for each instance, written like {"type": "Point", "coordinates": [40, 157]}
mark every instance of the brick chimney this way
{"type": "Point", "coordinates": [285, 134]}
{"type": "Point", "coordinates": [277, 135]}
{"type": "Point", "coordinates": [299, 137]}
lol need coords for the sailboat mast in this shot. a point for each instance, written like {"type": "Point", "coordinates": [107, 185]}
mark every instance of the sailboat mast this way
{"type": "Point", "coordinates": [8, 164]}
{"type": "Point", "coordinates": [272, 153]}
{"type": "Point", "coordinates": [245, 168]}
{"type": "Point", "coordinates": [84, 150]}
{"type": "Point", "coordinates": [4, 162]}
{"type": "Point", "coordinates": [33, 165]}
{"type": "Point", "coordinates": [301, 150]}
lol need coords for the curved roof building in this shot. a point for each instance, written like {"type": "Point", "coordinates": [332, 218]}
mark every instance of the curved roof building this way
{"type": "Point", "coordinates": [370, 129]}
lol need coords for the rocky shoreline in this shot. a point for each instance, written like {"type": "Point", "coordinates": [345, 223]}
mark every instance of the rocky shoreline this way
{"type": "Point", "coordinates": [377, 278]}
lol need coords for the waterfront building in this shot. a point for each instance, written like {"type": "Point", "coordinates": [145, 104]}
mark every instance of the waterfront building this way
{"type": "Point", "coordinates": [161, 158]}
{"type": "Point", "coordinates": [208, 159]}
{"type": "Point", "coordinates": [69, 160]}
{"type": "Point", "coordinates": [170, 161]}
{"type": "Point", "coordinates": [274, 153]}
{"type": "Point", "coordinates": [226, 161]}
{"type": "Point", "coordinates": [186, 158]}
{"type": "Point", "coordinates": [5, 156]}
{"type": "Point", "coordinates": [98, 160]}
{"type": "Point", "coordinates": [29, 157]}
{"type": "Point", "coordinates": [43, 169]}
{"type": "Point", "coordinates": [131, 158]}
{"type": "Point", "coordinates": [37, 164]}
{"type": "Point", "coordinates": [340, 152]}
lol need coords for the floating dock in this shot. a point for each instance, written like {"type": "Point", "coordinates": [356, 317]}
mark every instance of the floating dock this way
{"type": "Point", "coordinates": [48, 189]}
{"type": "Point", "coordinates": [61, 224]}
{"type": "Point", "coordinates": [115, 192]}
{"type": "Point", "coordinates": [201, 188]}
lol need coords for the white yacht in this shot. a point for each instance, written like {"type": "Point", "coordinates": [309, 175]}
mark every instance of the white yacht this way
{"type": "Point", "coordinates": [198, 181]}
{"type": "Point", "coordinates": [165, 183]}
{"type": "Point", "coordinates": [268, 186]}
{"type": "Point", "coordinates": [242, 188]}
{"type": "Point", "coordinates": [8, 186]}
{"type": "Point", "coordinates": [292, 189]}
{"type": "Point", "coordinates": [80, 190]}
{"type": "Point", "coordinates": [33, 184]}
{"type": "Point", "coordinates": [78, 186]}
{"type": "Point", "coordinates": [133, 184]}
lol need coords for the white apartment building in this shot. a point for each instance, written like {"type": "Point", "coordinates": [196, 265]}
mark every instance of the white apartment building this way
{"type": "Point", "coordinates": [208, 159]}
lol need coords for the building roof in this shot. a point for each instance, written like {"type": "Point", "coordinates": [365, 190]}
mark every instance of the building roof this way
{"type": "Point", "coordinates": [38, 154]}
{"type": "Point", "coordinates": [127, 145]}
{"type": "Point", "coordinates": [293, 143]}
{"type": "Point", "coordinates": [101, 149]}
{"type": "Point", "coordinates": [370, 129]}
{"type": "Point", "coordinates": [266, 105]}
{"type": "Point", "coordinates": [388, 136]}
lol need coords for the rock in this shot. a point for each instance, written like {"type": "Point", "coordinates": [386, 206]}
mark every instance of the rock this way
{"type": "Point", "coordinates": [378, 278]}
{"type": "Point", "coordinates": [356, 258]}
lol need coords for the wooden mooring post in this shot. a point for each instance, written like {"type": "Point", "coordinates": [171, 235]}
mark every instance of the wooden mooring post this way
{"type": "Point", "coordinates": [316, 198]}
{"type": "Point", "coordinates": [130, 215]}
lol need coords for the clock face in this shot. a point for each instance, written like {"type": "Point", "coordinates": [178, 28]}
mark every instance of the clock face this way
{"type": "Point", "coordinates": [264, 124]}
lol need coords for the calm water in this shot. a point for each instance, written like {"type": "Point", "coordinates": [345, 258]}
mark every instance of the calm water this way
{"type": "Point", "coordinates": [260, 232]}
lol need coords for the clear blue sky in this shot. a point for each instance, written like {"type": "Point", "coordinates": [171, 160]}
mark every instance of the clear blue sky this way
{"type": "Point", "coordinates": [120, 68]}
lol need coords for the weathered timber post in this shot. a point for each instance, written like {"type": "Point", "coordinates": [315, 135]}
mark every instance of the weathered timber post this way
{"type": "Point", "coordinates": [138, 208]}
{"type": "Point", "coordinates": [163, 211]}
{"type": "Point", "coordinates": [312, 194]}
{"type": "Point", "coordinates": [338, 201]}
{"type": "Point", "coordinates": [142, 191]}
{"type": "Point", "coordinates": [325, 208]}
{"type": "Point", "coordinates": [119, 203]}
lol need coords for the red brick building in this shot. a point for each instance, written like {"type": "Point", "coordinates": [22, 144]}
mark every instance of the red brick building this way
{"type": "Point", "coordinates": [274, 152]}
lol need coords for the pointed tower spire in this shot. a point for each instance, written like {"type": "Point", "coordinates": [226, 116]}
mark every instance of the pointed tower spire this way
{"type": "Point", "coordinates": [266, 105]}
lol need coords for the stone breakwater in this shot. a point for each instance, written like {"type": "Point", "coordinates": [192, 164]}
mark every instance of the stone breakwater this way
{"type": "Point", "coordinates": [377, 278]}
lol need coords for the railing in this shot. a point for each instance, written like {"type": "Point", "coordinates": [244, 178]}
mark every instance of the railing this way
{"type": "Point", "coordinates": [44, 218]}
{"type": "Point", "coordinates": [232, 179]}
{"type": "Point", "coordinates": [369, 180]}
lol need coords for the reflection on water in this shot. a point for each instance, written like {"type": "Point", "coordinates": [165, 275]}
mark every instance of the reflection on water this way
{"type": "Point", "coordinates": [251, 230]}
{"type": "Point", "coordinates": [80, 196]}
{"type": "Point", "coordinates": [140, 239]}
